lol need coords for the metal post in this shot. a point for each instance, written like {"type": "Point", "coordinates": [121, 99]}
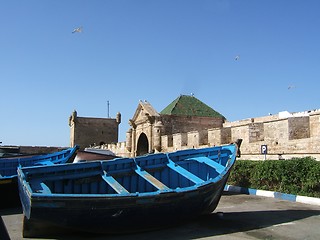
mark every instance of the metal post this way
{"type": "Point", "coordinates": [108, 104]}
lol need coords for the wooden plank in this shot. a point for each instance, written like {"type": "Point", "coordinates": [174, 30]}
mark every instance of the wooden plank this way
{"type": "Point", "coordinates": [184, 172]}
{"type": "Point", "coordinates": [151, 179]}
{"type": "Point", "coordinates": [218, 167]}
{"type": "Point", "coordinates": [114, 184]}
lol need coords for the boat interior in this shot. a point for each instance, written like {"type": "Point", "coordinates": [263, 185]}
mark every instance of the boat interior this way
{"type": "Point", "coordinates": [146, 174]}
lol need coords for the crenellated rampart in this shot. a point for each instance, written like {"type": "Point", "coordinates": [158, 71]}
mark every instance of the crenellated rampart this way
{"type": "Point", "coordinates": [286, 135]}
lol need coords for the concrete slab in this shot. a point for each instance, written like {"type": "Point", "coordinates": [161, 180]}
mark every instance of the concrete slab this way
{"type": "Point", "coordinates": [238, 216]}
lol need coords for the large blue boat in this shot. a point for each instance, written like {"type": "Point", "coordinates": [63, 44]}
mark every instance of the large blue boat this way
{"type": "Point", "coordinates": [124, 194]}
{"type": "Point", "coordinates": [9, 165]}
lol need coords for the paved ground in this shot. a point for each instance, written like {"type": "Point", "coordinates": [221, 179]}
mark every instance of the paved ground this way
{"type": "Point", "coordinates": [241, 217]}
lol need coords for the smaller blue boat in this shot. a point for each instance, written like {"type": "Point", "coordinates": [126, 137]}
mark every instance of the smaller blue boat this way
{"type": "Point", "coordinates": [124, 195]}
{"type": "Point", "coordinates": [9, 165]}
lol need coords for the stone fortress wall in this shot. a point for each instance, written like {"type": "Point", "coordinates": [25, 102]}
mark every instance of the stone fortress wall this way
{"type": "Point", "coordinates": [95, 131]}
{"type": "Point", "coordinates": [286, 135]}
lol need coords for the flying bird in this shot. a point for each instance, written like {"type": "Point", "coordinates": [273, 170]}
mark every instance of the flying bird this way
{"type": "Point", "coordinates": [237, 57]}
{"type": "Point", "coordinates": [77, 30]}
{"type": "Point", "coordinates": [290, 87]}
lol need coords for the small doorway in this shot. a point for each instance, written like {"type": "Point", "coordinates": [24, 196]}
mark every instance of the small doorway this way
{"type": "Point", "coordinates": [143, 145]}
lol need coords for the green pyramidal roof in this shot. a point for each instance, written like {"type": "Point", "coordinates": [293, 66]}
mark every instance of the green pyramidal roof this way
{"type": "Point", "coordinates": [189, 106]}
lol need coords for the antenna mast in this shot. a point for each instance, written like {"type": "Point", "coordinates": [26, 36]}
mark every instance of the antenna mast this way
{"type": "Point", "coordinates": [108, 104]}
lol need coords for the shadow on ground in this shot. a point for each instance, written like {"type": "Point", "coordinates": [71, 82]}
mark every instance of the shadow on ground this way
{"type": "Point", "coordinates": [206, 226]}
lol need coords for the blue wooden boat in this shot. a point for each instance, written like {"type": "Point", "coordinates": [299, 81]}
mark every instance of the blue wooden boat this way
{"type": "Point", "coordinates": [9, 165]}
{"type": "Point", "coordinates": [126, 194]}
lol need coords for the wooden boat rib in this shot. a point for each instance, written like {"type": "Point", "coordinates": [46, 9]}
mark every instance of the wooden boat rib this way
{"type": "Point", "coordinates": [127, 194]}
{"type": "Point", "coordinates": [8, 166]}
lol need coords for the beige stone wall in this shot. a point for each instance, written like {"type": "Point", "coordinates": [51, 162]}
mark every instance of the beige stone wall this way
{"type": "Point", "coordinates": [197, 138]}
{"type": "Point", "coordinates": [119, 149]}
{"type": "Point", "coordinates": [315, 126]}
{"type": "Point", "coordinates": [218, 136]}
{"type": "Point", "coordinates": [39, 149]}
{"type": "Point", "coordinates": [167, 143]}
{"type": "Point", "coordinates": [85, 131]}
{"type": "Point", "coordinates": [286, 136]}
{"type": "Point", "coordinates": [299, 127]}
{"type": "Point", "coordinates": [179, 141]}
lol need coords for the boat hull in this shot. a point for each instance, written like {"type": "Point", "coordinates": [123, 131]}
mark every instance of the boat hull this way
{"type": "Point", "coordinates": [85, 156]}
{"type": "Point", "coordinates": [132, 214]}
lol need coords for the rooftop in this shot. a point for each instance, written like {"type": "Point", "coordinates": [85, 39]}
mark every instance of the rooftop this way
{"type": "Point", "coordinates": [186, 105]}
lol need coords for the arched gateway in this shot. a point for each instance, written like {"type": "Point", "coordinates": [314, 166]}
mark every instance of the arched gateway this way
{"type": "Point", "coordinates": [184, 114]}
{"type": "Point", "coordinates": [143, 145]}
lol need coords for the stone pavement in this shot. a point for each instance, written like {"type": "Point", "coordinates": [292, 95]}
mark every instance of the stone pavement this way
{"type": "Point", "coordinates": [238, 216]}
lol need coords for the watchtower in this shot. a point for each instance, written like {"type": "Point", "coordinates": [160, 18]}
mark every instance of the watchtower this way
{"type": "Point", "coordinates": [86, 131]}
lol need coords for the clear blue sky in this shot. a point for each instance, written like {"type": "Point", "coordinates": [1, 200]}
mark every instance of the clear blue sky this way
{"type": "Point", "coordinates": [152, 50]}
